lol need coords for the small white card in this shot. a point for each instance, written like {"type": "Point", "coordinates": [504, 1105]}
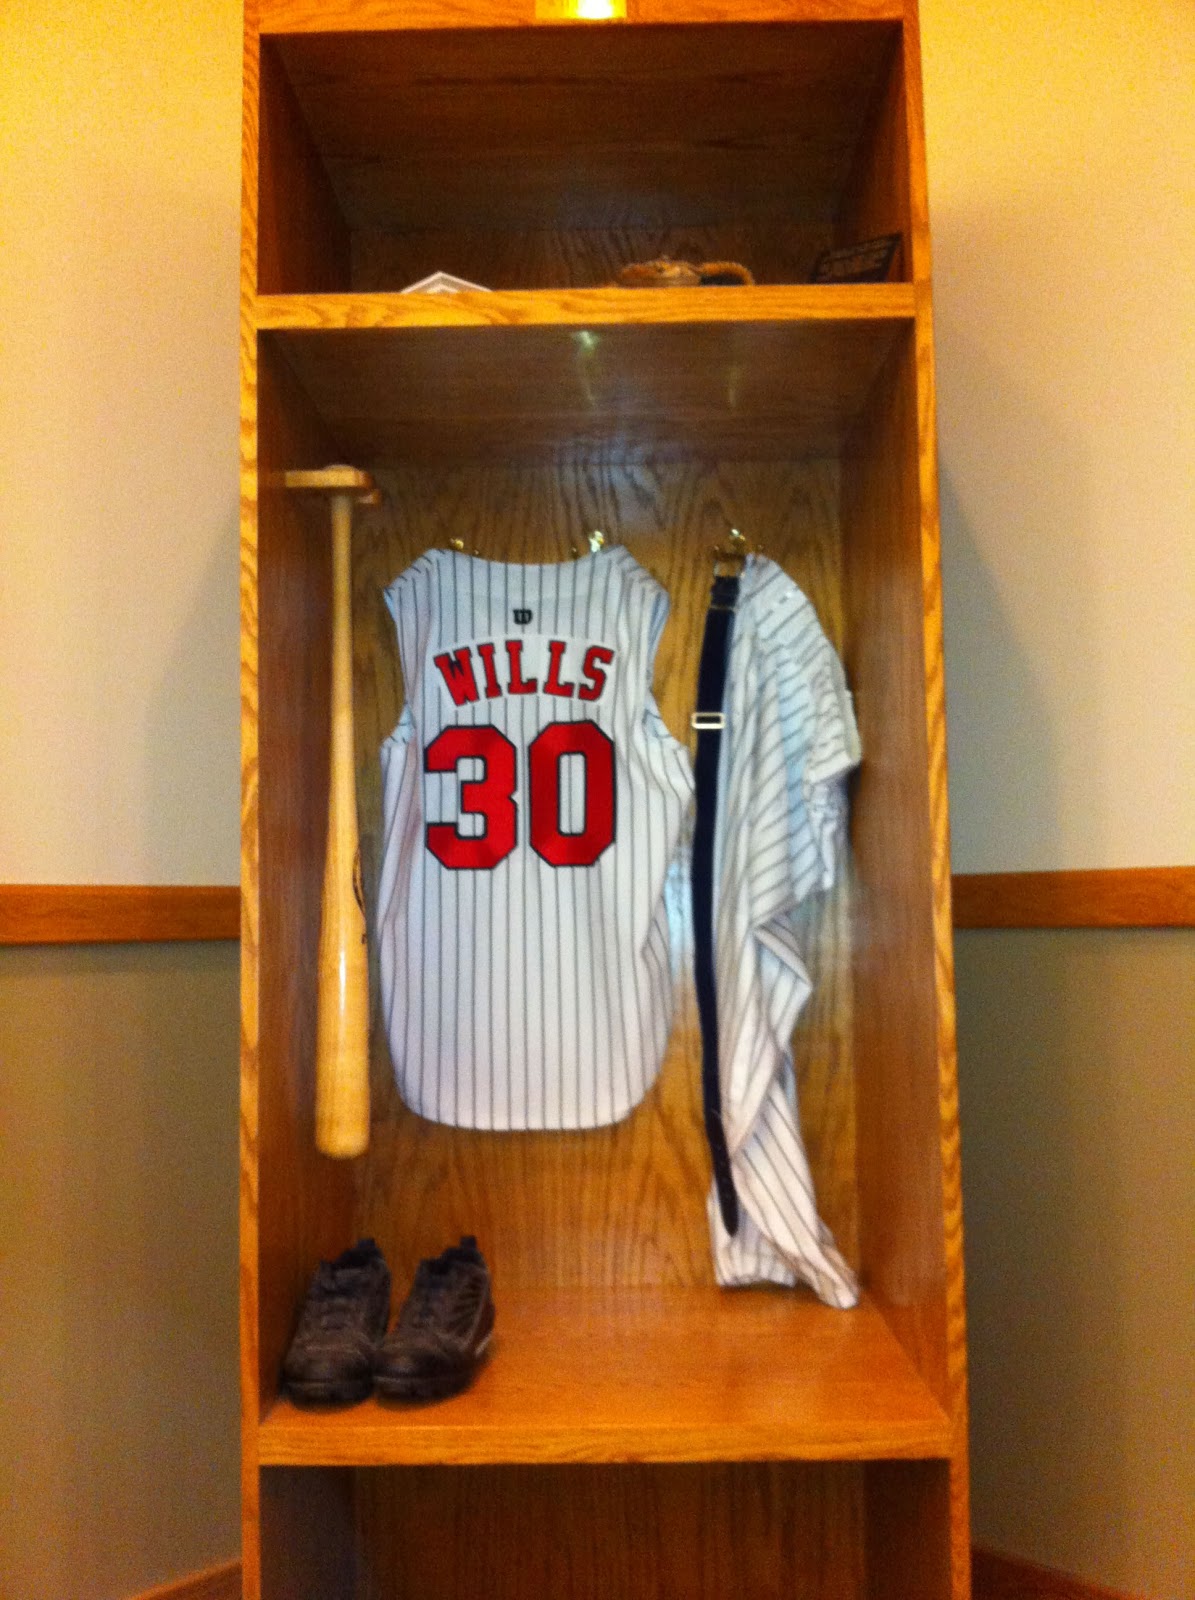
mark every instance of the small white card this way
{"type": "Point", "coordinates": [443, 283]}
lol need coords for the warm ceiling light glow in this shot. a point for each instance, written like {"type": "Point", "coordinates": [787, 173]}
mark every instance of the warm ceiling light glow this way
{"type": "Point", "coordinates": [581, 10]}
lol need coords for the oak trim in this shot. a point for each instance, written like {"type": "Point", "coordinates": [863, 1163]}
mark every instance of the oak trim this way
{"type": "Point", "coordinates": [588, 308]}
{"type": "Point", "coordinates": [997, 1577]}
{"type": "Point", "coordinates": [993, 1577]}
{"type": "Point", "coordinates": [213, 1583]}
{"type": "Point", "coordinates": [72, 913]}
{"type": "Point", "coordinates": [1123, 897]}
{"type": "Point", "coordinates": [359, 16]}
{"type": "Point", "coordinates": [1118, 897]}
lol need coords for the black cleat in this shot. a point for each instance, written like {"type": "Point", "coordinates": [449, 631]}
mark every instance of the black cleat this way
{"type": "Point", "coordinates": [442, 1330]}
{"type": "Point", "coordinates": [330, 1360]}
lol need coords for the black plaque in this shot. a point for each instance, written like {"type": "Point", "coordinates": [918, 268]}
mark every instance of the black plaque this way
{"type": "Point", "coordinates": [868, 262]}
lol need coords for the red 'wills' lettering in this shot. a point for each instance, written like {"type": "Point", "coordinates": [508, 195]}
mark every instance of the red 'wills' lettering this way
{"type": "Point", "coordinates": [502, 667]}
{"type": "Point", "coordinates": [552, 684]}
{"type": "Point", "coordinates": [597, 657]}
{"type": "Point", "coordinates": [518, 684]}
{"type": "Point", "coordinates": [457, 670]}
{"type": "Point", "coordinates": [492, 687]}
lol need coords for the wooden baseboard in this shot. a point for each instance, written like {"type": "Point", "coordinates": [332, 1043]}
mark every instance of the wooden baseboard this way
{"type": "Point", "coordinates": [997, 1577]}
{"type": "Point", "coordinates": [61, 913]}
{"type": "Point", "coordinates": [993, 1577]}
{"type": "Point", "coordinates": [1127, 897]}
{"type": "Point", "coordinates": [213, 1583]}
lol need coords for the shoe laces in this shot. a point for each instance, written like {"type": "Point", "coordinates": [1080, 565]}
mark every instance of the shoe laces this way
{"type": "Point", "coordinates": [335, 1301]}
{"type": "Point", "coordinates": [444, 1297]}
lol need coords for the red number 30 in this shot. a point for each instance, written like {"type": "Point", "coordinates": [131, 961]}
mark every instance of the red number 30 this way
{"type": "Point", "coordinates": [492, 796]}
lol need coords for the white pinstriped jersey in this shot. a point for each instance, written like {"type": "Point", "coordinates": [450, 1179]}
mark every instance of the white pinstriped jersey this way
{"type": "Point", "coordinates": [532, 802]}
{"type": "Point", "coordinates": [788, 742]}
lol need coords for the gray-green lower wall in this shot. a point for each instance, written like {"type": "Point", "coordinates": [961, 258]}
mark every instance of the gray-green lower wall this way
{"type": "Point", "coordinates": [1077, 1077]}
{"type": "Point", "coordinates": [118, 1274]}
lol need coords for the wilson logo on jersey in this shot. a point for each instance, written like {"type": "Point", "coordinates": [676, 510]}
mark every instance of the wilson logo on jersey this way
{"type": "Point", "coordinates": [492, 797]}
{"type": "Point", "coordinates": [561, 667]}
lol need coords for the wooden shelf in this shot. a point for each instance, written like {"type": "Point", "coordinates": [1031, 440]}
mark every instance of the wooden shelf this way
{"type": "Point", "coordinates": [534, 374]}
{"type": "Point", "coordinates": [648, 1375]}
{"type": "Point", "coordinates": [591, 308]}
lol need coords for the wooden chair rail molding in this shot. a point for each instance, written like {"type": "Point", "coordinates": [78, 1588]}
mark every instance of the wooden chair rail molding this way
{"type": "Point", "coordinates": [993, 1577]}
{"type": "Point", "coordinates": [61, 913]}
{"type": "Point", "coordinates": [1129, 897]}
{"type": "Point", "coordinates": [1124, 897]}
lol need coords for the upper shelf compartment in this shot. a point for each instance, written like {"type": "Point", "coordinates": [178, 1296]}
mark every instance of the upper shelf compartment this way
{"type": "Point", "coordinates": [543, 375]}
{"type": "Point", "coordinates": [548, 157]}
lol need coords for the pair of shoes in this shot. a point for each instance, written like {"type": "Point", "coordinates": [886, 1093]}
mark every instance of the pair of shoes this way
{"type": "Point", "coordinates": [341, 1351]}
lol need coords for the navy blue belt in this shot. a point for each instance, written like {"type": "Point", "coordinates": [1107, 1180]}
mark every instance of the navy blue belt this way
{"type": "Point", "coordinates": [708, 721]}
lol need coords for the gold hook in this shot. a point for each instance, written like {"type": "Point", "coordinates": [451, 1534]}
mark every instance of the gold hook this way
{"type": "Point", "coordinates": [734, 553]}
{"type": "Point", "coordinates": [596, 540]}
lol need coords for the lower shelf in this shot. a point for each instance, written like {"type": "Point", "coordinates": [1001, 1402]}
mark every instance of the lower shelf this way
{"type": "Point", "coordinates": [647, 1375]}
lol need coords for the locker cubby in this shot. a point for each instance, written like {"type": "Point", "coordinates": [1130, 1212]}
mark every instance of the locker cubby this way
{"type": "Point", "coordinates": [636, 1430]}
{"type": "Point", "coordinates": [551, 158]}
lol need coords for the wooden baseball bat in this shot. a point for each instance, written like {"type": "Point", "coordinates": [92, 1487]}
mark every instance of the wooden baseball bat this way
{"type": "Point", "coordinates": [342, 1000]}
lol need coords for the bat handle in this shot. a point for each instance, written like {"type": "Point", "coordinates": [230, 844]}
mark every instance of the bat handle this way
{"type": "Point", "coordinates": [342, 1011]}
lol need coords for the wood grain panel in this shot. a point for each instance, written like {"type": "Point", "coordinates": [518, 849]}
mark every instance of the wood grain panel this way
{"type": "Point", "coordinates": [624, 1204]}
{"type": "Point", "coordinates": [302, 240]}
{"type": "Point", "coordinates": [559, 392]}
{"type": "Point", "coordinates": [589, 1533]}
{"type": "Point", "coordinates": [308, 1538]}
{"type": "Point", "coordinates": [370, 16]}
{"type": "Point", "coordinates": [951, 1199]}
{"type": "Point", "coordinates": [637, 312]}
{"type": "Point", "coordinates": [896, 1000]}
{"type": "Point", "coordinates": [876, 199]}
{"type": "Point", "coordinates": [908, 1538]}
{"type": "Point", "coordinates": [320, 16]}
{"type": "Point", "coordinates": [249, 1299]}
{"type": "Point", "coordinates": [1123, 897]}
{"type": "Point", "coordinates": [306, 1200]}
{"type": "Point", "coordinates": [59, 913]}
{"type": "Point", "coordinates": [570, 127]}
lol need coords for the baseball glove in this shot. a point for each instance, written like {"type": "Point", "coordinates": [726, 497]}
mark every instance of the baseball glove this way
{"type": "Point", "coordinates": [664, 273]}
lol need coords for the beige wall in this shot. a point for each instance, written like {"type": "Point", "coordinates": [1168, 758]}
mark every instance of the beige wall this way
{"type": "Point", "coordinates": [1061, 148]}
{"type": "Point", "coordinates": [119, 216]}
{"type": "Point", "coordinates": [118, 1396]}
